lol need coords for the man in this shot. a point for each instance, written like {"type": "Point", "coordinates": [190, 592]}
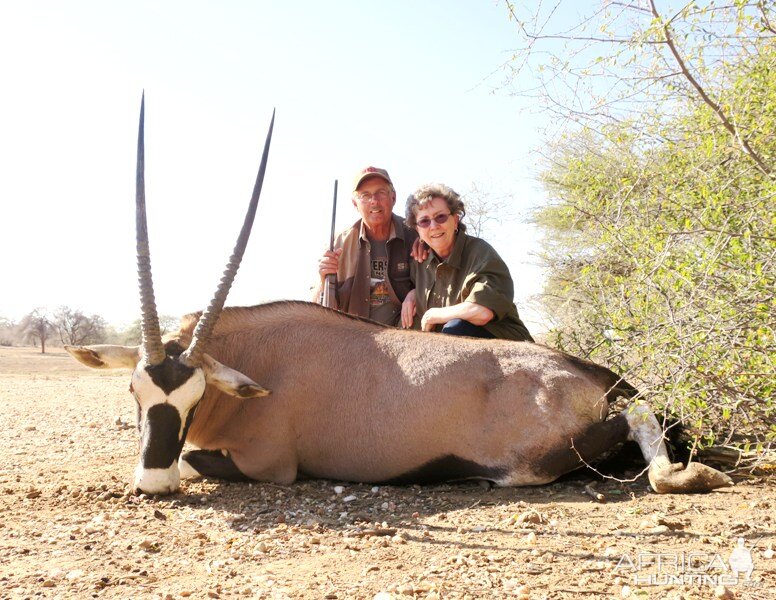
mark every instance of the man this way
{"type": "Point", "coordinates": [371, 259]}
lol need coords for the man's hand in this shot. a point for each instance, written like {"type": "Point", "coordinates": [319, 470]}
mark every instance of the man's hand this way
{"type": "Point", "coordinates": [419, 250]}
{"type": "Point", "coordinates": [408, 310]}
{"type": "Point", "coordinates": [329, 263]}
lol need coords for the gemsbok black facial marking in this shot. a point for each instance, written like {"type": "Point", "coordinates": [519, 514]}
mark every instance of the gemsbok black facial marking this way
{"type": "Point", "coordinates": [170, 374]}
{"type": "Point", "coordinates": [161, 444]}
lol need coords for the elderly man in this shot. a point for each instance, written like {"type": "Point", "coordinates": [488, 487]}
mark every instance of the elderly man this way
{"type": "Point", "coordinates": [371, 259]}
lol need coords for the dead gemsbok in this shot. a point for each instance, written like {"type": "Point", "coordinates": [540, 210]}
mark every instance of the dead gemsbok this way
{"type": "Point", "coordinates": [353, 400]}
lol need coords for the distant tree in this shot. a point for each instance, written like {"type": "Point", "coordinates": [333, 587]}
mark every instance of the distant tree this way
{"type": "Point", "coordinates": [131, 335]}
{"type": "Point", "coordinates": [485, 208]}
{"type": "Point", "coordinates": [35, 327]}
{"type": "Point", "coordinates": [76, 329]}
{"type": "Point", "coordinates": [7, 330]}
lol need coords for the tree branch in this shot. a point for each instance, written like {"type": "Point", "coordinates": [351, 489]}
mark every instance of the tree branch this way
{"type": "Point", "coordinates": [669, 40]}
{"type": "Point", "coordinates": [769, 26]}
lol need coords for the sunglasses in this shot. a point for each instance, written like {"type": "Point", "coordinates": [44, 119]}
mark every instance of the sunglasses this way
{"type": "Point", "coordinates": [439, 219]}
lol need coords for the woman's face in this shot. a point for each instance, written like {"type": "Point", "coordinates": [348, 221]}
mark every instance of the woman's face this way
{"type": "Point", "coordinates": [439, 236]}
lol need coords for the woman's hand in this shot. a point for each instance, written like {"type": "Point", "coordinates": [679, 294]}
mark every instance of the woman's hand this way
{"type": "Point", "coordinates": [432, 317]}
{"type": "Point", "coordinates": [408, 310]}
{"type": "Point", "coordinates": [475, 313]}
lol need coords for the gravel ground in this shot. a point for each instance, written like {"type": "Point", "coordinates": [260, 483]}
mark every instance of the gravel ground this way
{"type": "Point", "coordinates": [70, 527]}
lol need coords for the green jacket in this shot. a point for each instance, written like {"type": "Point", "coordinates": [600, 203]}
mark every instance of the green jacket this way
{"type": "Point", "coordinates": [474, 272]}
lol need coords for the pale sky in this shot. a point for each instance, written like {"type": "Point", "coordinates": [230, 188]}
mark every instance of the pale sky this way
{"type": "Point", "coordinates": [415, 87]}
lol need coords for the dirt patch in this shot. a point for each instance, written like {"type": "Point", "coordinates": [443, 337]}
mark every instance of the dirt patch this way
{"type": "Point", "coordinates": [70, 527]}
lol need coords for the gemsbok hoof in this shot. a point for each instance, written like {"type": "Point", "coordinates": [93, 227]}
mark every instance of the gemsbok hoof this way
{"type": "Point", "coordinates": [695, 478]}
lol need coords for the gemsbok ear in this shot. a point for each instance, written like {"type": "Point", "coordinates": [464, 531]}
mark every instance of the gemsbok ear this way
{"type": "Point", "coordinates": [105, 356]}
{"type": "Point", "coordinates": [230, 381]}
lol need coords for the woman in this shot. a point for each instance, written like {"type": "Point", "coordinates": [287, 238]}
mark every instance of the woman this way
{"type": "Point", "coordinates": [463, 287]}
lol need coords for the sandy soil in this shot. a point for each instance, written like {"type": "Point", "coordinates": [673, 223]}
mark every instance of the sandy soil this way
{"type": "Point", "coordinates": [69, 527]}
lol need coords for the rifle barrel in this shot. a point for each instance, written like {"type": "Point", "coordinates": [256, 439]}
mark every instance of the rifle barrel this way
{"type": "Point", "coordinates": [330, 285]}
{"type": "Point", "coordinates": [333, 216]}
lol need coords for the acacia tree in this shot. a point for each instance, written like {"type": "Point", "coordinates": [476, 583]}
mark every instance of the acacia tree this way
{"type": "Point", "coordinates": [485, 208]}
{"type": "Point", "coordinates": [638, 60]}
{"type": "Point", "coordinates": [132, 334]}
{"type": "Point", "coordinates": [7, 329]}
{"type": "Point", "coordinates": [35, 327]}
{"type": "Point", "coordinates": [660, 245]}
{"type": "Point", "coordinates": [76, 329]}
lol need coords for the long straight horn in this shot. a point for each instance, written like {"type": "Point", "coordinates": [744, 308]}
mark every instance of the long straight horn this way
{"type": "Point", "coordinates": [152, 338]}
{"type": "Point", "coordinates": [193, 355]}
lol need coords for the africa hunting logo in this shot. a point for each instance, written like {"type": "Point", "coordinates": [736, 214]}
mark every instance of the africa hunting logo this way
{"type": "Point", "coordinates": [690, 568]}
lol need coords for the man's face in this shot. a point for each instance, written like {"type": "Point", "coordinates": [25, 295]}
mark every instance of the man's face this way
{"type": "Point", "coordinates": [374, 201]}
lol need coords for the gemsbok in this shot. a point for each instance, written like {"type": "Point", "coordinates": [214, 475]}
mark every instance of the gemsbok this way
{"type": "Point", "coordinates": [356, 401]}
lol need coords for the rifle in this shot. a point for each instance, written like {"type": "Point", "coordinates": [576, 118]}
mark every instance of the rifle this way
{"type": "Point", "coordinates": [330, 285]}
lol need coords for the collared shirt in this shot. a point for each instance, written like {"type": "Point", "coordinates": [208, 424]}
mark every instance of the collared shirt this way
{"type": "Point", "coordinates": [474, 272]}
{"type": "Point", "coordinates": [354, 272]}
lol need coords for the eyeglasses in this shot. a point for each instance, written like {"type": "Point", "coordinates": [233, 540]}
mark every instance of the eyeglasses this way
{"type": "Point", "coordinates": [439, 219]}
{"type": "Point", "coordinates": [379, 195]}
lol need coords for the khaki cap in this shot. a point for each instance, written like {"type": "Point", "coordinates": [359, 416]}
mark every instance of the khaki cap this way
{"type": "Point", "coordinates": [370, 172]}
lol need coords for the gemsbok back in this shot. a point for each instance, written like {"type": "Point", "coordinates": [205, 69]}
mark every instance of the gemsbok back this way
{"type": "Point", "coordinates": [357, 401]}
